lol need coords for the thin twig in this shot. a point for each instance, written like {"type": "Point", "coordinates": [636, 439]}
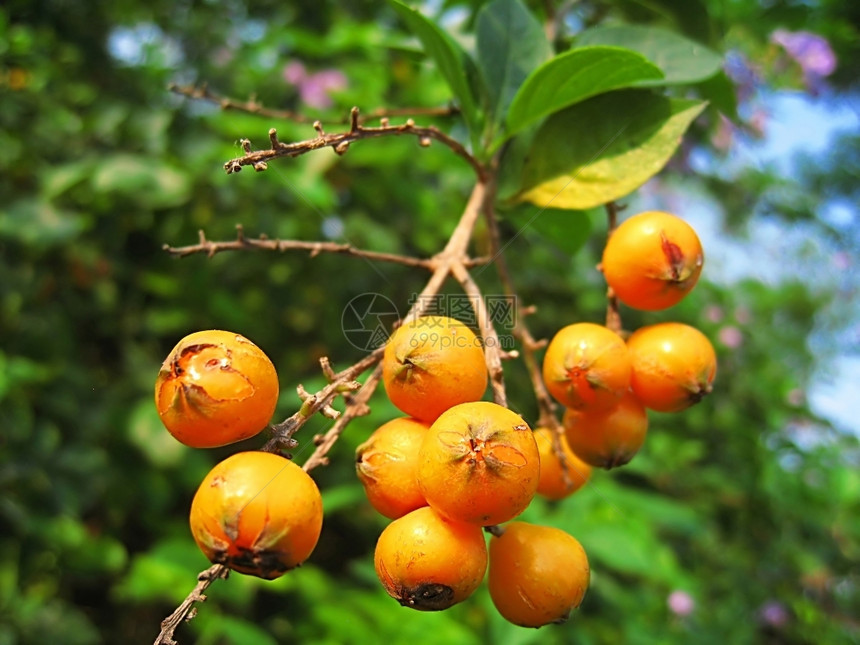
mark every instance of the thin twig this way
{"type": "Point", "coordinates": [318, 401]}
{"type": "Point", "coordinates": [492, 350]}
{"type": "Point", "coordinates": [341, 141]}
{"type": "Point", "coordinates": [356, 407]}
{"type": "Point", "coordinates": [185, 609]}
{"type": "Point", "coordinates": [242, 243]}
{"type": "Point", "coordinates": [252, 106]}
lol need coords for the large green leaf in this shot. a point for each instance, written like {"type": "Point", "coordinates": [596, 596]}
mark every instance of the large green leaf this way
{"type": "Point", "coordinates": [604, 148]}
{"type": "Point", "coordinates": [458, 69]}
{"type": "Point", "coordinates": [681, 60]}
{"type": "Point", "coordinates": [573, 77]}
{"type": "Point", "coordinates": [153, 183]}
{"type": "Point", "coordinates": [510, 44]}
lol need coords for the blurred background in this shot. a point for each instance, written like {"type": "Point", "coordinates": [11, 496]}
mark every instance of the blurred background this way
{"type": "Point", "coordinates": [738, 522]}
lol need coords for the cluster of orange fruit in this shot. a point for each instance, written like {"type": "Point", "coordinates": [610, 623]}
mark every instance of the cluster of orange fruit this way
{"type": "Point", "coordinates": [456, 464]}
{"type": "Point", "coordinates": [651, 262]}
{"type": "Point", "coordinates": [255, 512]}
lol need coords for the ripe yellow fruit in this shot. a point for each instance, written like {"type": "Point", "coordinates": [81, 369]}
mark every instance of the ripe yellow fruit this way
{"type": "Point", "coordinates": [586, 366]}
{"type": "Point", "coordinates": [258, 513]}
{"type": "Point", "coordinates": [431, 364]}
{"type": "Point", "coordinates": [215, 388]}
{"type": "Point", "coordinates": [652, 260]}
{"type": "Point", "coordinates": [430, 563]}
{"type": "Point", "coordinates": [387, 465]}
{"type": "Point", "coordinates": [538, 574]}
{"type": "Point", "coordinates": [479, 463]}
{"type": "Point", "coordinates": [552, 484]}
{"type": "Point", "coordinates": [674, 366]}
{"type": "Point", "coordinates": [607, 438]}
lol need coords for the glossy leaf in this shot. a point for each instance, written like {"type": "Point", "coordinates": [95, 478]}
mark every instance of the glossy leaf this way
{"type": "Point", "coordinates": [720, 92]}
{"type": "Point", "coordinates": [575, 76]}
{"type": "Point", "coordinates": [454, 63]}
{"type": "Point", "coordinates": [510, 44]}
{"type": "Point", "coordinates": [604, 148]}
{"type": "Point", "coordinates": [681, 60]}
{"type": "Point", "coordinates": [563, 230]}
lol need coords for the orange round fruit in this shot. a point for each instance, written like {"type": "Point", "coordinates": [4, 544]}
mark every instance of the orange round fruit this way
{"type": "Point", "coordinates": [607, 438]}
{"type": "Point", "coordinates": [652, 260]}
{"type": "Point", "coordinates": [674, 366]}
{"type": "Point", "coordinates": [430, 563]}
{"type": "Point", "coordinates": [257, 513]}
{"type": "Point", "coordinates": [538, 574]}
{"type": "Point", "coordinates": [433, 363]}
{"type": "Point", "coordinates": [552, 484]}
{"type": "Point", "coordinates": [586, 366]}
{"type": "Point", "coordinates": [216, 388]}
{"type": "Point", "coordinates": [479, 463]}
{"type": "Point", "coordinates": [387, 465]}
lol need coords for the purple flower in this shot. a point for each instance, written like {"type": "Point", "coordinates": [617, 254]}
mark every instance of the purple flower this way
{"type": "Point", "coordinates": [812, 52]}
{"type": "Point", "coordinates": [744, 74]}
{"type": "Point", "coordinates": [773, 613]}
{"type": "Point", "coordinates": [314, 89]}
{"type": "Point", "coordinates": [681, 603]}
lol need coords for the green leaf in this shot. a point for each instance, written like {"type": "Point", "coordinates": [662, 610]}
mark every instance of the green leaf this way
{"type": "Point", "coordinates": [153, 183]}
{"type": "Point", "coordinates": [147, 432]}
{"type": "Point", "coordinates": [720, 92]}
{"type": "Point", "coordinates": [510, 44]}
{"type": "Point", "coordinates": [575, 76]}
{"type": "Point", "coordinates": [40, 224]}
{"type": "Point", "coordinates": [454, 63]}
{"type": "Point", "coordinates": [562, 229]}
{"type": "Point", "coordinates": [228, 630]}
{"type": "Point", "coordinates": [58, 179]}
{"type": "Point", "coordinates": [603, 149]}
{"type": "Point", "coordinates": [681, 60]}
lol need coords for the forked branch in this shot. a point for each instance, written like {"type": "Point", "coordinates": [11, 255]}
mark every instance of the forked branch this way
{"type": "Point", "coordinates": [340, 143]}
{"type": "Point", "coordinates": [264, 243]}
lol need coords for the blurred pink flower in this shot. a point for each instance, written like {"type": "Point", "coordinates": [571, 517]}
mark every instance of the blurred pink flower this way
{"type": "Point", "coordinates": [795, 397]}
{"type": "Point", "coordinates": [731, 337]}
{"type": "Point", "coordinates": [842, 260]}
{"type": "Point", "coordinates": [743, 315]}
{"type": "Point", "coordinates": [294, 72]}
{"type": "Point", "coordinates": [681, 603]}
{"type": "Point", "coordinates": [724, 136]}
{"type": "Point", "coordinates": [314, 88]}
{"type": "Point", "coordinates": [714, 313]}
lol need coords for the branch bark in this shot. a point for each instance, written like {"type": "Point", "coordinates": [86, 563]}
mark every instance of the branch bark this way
{"type": "Point", "coordinates": [341, 141]}
{"type": "Point", "coordinates": [242, 243]}
{"type": "Point", "coordinates": [252, 106]}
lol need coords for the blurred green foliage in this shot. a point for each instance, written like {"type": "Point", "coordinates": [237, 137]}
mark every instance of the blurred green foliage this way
{"type": "Point", "coordinates": [746, 502]}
